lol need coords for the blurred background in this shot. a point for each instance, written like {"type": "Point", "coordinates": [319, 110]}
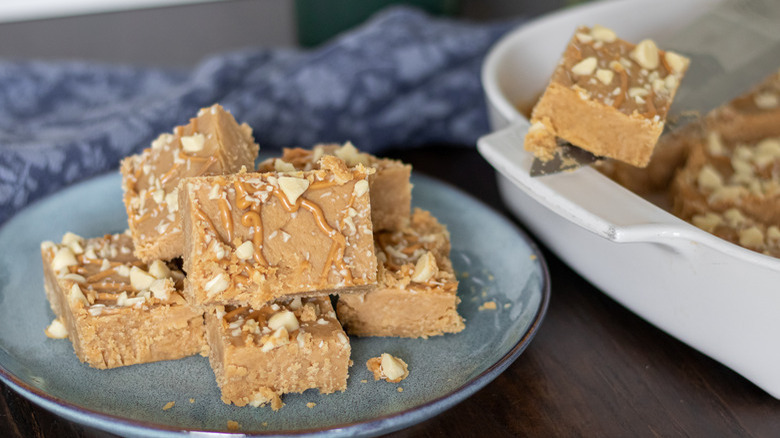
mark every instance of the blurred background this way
{"type": "Point", "coordinates": [179, 33]}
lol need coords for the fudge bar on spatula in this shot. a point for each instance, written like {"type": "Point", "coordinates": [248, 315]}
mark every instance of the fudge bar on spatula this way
{"type": "Point", "coordinates": [606, 96]}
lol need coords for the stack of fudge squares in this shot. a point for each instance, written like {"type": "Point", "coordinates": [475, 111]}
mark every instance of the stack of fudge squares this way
{"type": "Point", "coordinates": [243, 266]}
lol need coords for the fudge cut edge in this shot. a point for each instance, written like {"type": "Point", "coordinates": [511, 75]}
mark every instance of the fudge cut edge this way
{"type": "Point", "coordinates": [606, 131]}
{"type": "Point", "coordinates": [259, 354]}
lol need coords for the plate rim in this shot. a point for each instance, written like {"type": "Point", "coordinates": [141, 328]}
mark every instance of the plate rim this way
{"type": "Point", "coordinates": [405, 418]}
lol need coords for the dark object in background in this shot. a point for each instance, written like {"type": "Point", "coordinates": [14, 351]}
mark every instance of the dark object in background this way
{"type": "Point", "coordinates": [318, 21]}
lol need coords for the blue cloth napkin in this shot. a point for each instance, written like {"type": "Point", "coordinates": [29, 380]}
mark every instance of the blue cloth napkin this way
{"type": "Point", "coordinates": [401, 80]}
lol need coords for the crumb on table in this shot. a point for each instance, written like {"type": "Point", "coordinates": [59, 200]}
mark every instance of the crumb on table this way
{"type": "Point", "coordinates": [388, 367]}
{"type": "Point", "coordinates": [488, 305]}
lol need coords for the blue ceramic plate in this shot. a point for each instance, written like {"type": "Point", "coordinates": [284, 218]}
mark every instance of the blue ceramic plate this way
{"type": "Point", "coordinates": [494, 260]}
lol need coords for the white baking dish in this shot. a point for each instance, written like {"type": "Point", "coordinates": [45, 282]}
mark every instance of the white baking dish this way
{"type": "Point", "coordinates": [719, 298]}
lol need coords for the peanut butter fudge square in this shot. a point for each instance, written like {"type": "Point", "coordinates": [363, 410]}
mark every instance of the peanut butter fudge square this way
{"type": "Point", "coordinates": [732, 189]}
{"type": "Point", "coordinates": [291, 345]}
{"type": "Point", "coordinates": [417, 291]}
{"type": "Point", "coordinates": [116, 309]}
{"type": "Point", "coordinates": [390, 189]}
{"type": "Point", "coordinates": [213, 143]}
{"type": "Point", "coordinates": [606, 96]}
{"type": "Point", "coordinates": [253, 237]}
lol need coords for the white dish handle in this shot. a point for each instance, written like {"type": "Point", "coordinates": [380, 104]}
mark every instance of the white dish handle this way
{"type": "Point", "coordinates": [593, 201]}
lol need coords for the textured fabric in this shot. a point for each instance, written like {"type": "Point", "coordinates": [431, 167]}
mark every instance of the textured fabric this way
{"type": "Point", "coordinates": [401, 80]}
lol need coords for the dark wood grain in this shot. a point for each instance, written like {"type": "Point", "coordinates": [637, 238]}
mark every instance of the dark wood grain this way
{"type": "Point", "coordinates": [594, 369]}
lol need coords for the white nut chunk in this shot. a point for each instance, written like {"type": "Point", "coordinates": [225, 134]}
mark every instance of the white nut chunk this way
{"type": "Point", "coordinates": [293, 187]}
{"type": "Point", "coordinates": [601, 33]}
{"type": "Point", "coordinates": [159, 269]}
{"type": "Point", "coordinates": [283, 166]}
{"type": "Point", "coordinates": [63, 258]}
{"type": "Point", "coordinates": [605, 76]}
{"type": "Point", "coordinates": [584, 37]}
{"type": "Point", "coordinates": [285, 319]}
{"type": "Point", "coordinates": [751, 237]}
{"type": "Point", "coordinates": [709, 178]}
{"type": "Point", "coordinates": [645, 54]}
{"type": "Point", "coordinates": [361, 187]}
{"type": "Point", "coordinates": [676, 62]}
{"type": "Point", "coordinates": [140, 279]}
{"type": "Point", "coordinates": [162, 140]}
{"type": "Point", "coordinates": [393, 368]}
{"type": "Point", "coordinates": [425, 268]}
{"type": "Point", "coordinates": [351, 156]}
{"type": "Point", "coordinates": [707, 221]}
{"type": "Point", "coordinates": [766, 101]}
{"type": "Point", "coordinates": [193, 143]}
{"type": "Point", "coordinates": [216, 284]}
{"type": "Point", "coordinates": [158, 196]}
{"type": "Point", "coordinates": [74, 242]}
{"type": "Point", "coordinates": [277, 339]}
{"type": "Point", "coordinates": [172, 201]}
{"type": "Point", "coordinates": [160, 289]}
{"type": "Point", "coordinates": [77, 296]}
{"type": "Point", "coordinates": [245, 251]}
{"type": "Point", "coordinates": [56, 330]}
{"type": "Point", "coordinates": [585, 67]}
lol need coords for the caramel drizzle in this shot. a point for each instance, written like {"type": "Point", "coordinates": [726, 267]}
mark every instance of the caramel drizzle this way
{"type": "Point", "coordinates": [339, 245]}
{"type": "Point", "coordinates": [85, 261]}
{"type": "Point", "coordinates": [208, 161]}
{"type": "Point", "coordinates": [651, 111]}
{"type": "Point", "coordinates": [317, 185]}
{"type": "Point", "coordinates": [151, 213]}
{"type": "Point", "coordinates": [120, 287]}
{"type": "Point", "coordinates": [623, 87]}
{"type": "Point", "coordinates": [234, 314]}
{"type": "Point", "coordinates": [167, 176]}
{"type": "Point", "coordinates": [98, 286]}
{"type": "Point", "coordinates": [100, 275]}
{"type": "Point", "coordinates": [412, 248]}
{"type": "Point", "coordinates": [204, 218]}
{"type": "Point", "coordinates": [251, 219]}
{"type": "Point", "coordinates": [384, 240]}
{"type": "Point", "coordinates": [298, 157]}
{"type": "Point", "coordinates": [411, 244]}
{"type": "Point", "coordinates": [227, 217]}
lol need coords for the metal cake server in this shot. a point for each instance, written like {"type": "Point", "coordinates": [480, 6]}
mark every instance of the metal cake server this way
{"type": "Point", "coordinates": [732, 47]}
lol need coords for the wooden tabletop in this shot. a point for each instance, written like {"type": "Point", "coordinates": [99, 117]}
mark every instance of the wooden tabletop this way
{"type": "Point", "coordinates": [594, 368]}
